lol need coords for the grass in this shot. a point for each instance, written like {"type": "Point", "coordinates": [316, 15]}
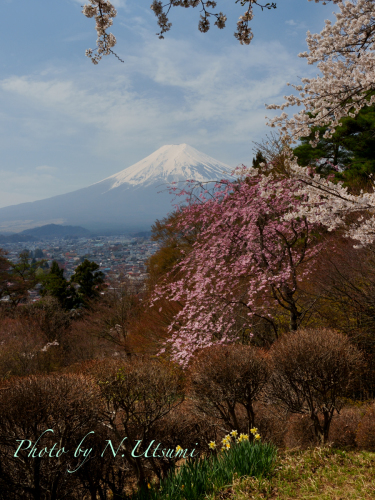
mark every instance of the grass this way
{"type": "Point", "coordinates": [194, 480]}
{"type": "Point", "coordinates": [316, 474]}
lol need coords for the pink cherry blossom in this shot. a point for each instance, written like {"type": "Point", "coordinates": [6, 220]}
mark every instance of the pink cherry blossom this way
{"type": "Point", "coordinates": [248, 258]}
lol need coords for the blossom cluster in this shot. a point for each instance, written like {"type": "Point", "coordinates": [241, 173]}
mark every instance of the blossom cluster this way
{"type": "Point", "coordinates": [244, 33]}
{"type": "Point", "coordinates": [204, 23]}
{"type": "Point", "coordinates": [344, 53]}
{"type": "Point", "coordinates": [103, 11]}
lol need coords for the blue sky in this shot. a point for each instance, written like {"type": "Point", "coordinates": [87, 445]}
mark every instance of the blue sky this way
{"type": "Point", "coordinates": [66, 123]}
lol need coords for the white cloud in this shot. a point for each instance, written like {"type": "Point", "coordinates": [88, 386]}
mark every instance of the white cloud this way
{"type": "Point", "coordinates": [298, 25]}
{"type": "Point", "coordinates": [114, 115]}
{"type": "Point", "coordinates": [216, 93]}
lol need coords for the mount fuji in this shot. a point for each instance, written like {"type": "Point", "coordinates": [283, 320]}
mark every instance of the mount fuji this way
{"type": "Point", "coordinates": [127, 201]}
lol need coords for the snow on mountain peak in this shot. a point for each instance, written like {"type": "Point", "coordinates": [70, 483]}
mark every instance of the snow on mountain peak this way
{"type": "Point", "coordinates": [171, 163]}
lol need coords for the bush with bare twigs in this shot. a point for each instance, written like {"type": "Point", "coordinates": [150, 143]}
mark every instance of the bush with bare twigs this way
{"type": "Point", "coordinates": [25, 350]}
{"type": "Point", "coordinates": [299, 432]}
{"type": "Point", "coordinates": [365, 437]}
{"type": "Point", "coordinates": [272, 423]}
{"type": "Point", "coordinates": [344, 426]}
{"type": "Point", "coordinates": [312, 372]}
{"type": "Point", "coordinates": [225, 378]}
{"type": "Point", "coordinates": [138, 394]}
{"type": "Point", "coordinates": [35, 462]}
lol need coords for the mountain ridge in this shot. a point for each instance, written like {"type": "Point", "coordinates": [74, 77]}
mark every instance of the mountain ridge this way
{"type": "Point", "coordinates": [56, 230]}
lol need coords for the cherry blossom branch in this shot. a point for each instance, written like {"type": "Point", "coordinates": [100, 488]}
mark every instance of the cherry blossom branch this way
{"type": "Point", "coordinates": [104, 12]}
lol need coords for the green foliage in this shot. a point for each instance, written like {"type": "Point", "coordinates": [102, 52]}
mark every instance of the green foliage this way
{"type": "Point", "coordinates": [55, 285]}
{"type": "Point", "coordinates": [4, 273]}
{"type": "Point", "coordinates": [351, 148]}
{"type": "Point", "coordinates": [89, 279]}
{"type": "Point", "coordinates": [86, 275]}
{"type": "Point", "coordinates": [197, 478]}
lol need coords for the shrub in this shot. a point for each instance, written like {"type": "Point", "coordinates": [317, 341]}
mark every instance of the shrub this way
{"type": "Point", "coordinates": [312, 371]}
{"type": "Point", "coordinates": [272, 422]}
{"type": "Point", "coordinates": [49, 317]}
{"type": "Point", "coordinates": [342, 432]}
{"type": "Point", "coordinates": [67, 404]}
{"type": "Point", "coordinates": [138, 394]}
{"type": "Point", "coordinates": [344, 427]}
{"type": "Point", "coordinates": [24, 350]}
{"type": "Point", "coordinates": [186, 427]}
{"type": "Point", "coordinates": [300, 432]}
{"type": "Point", "coordinates": [365, 437]}
{"type": "Point", "coordinates": [225, 378]}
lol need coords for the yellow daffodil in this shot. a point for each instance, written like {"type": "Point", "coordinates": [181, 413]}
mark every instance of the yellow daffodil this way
{"type": "Point", "coordinates": [257, 436]}
{"type": "Point", "coordinates": [149, 486]}
{"type": "Point", "coordinates": [212, 445]}
{"type": "Point", "coordinates": [179, 448]}
{"type": "Point", "coordinates": [254, 430]}
{"type": "Point", "coordinates": [234, 434]}
{"type": "Point", "coordinates": [244, 437]}
{"type": "Point", "coordinates": [227, 446]}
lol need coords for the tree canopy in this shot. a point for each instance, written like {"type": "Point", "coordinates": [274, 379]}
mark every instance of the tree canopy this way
{"type": "Point", "coordinates": [89, 279]}
{"type": "Point", "coordinates": [349, 154]}
{"type": "Point", "coordinates": [90, 282]}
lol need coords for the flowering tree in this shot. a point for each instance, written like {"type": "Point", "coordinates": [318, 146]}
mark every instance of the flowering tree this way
{"type": "Point", "coordinates": [344, 52]}
{"type": "Point", "coordinates": [248, 259]}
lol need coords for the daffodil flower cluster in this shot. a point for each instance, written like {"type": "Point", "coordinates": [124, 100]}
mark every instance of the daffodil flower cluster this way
{"type": "Point", "coordinates": [255, 433]}
{"type": "Point", "coordinates": [242, 437]}
{"type": "Point", "coordinates": [233, 436]}
{"type": "Point", "coordinates": [226, 443]}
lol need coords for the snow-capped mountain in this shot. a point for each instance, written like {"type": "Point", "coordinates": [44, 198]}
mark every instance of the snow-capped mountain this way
{"type": "Point", "coordinates": [129, 200]}
{"type": "Point", "coordinates": [169, 164]}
